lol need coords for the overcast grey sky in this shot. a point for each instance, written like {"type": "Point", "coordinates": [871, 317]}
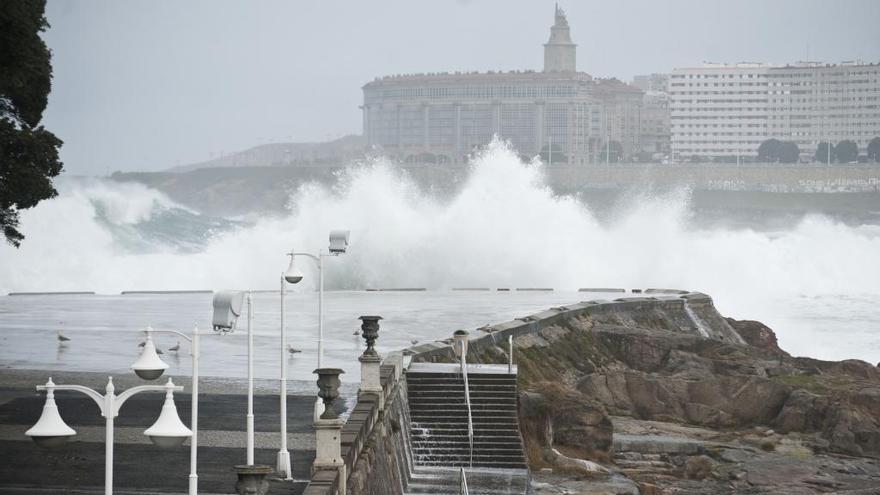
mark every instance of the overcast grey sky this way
{"type": "Point", "coordinates": [146, 85]}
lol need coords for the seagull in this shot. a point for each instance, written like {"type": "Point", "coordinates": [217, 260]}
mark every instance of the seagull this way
{"type": "Point", "coordinates": [62, 338]}
{"type": "Point", "coordinates": [357, 332]}
{"type": "Point", "coordinates": [414, 341]}
{"type": "Point", "coordinates": [292, 350]}
{"type": "Point", "coordinates": [142, 344]}
{"type": "Point", "coordinates": [175, 347]}
{"type": "Point", "coordinates": [159, 351]}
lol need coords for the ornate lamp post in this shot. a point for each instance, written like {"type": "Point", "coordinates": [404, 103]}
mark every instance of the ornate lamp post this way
{"type": "Point", "coordinates": [167, 431]}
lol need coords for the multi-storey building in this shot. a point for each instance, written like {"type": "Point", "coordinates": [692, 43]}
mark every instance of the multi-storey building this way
{"type": "Point", "coordinates": [721, 110]}
{"type": "Point", "coordinates": [443, 117]}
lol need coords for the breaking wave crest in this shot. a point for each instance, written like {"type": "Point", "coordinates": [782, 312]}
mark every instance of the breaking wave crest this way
{"type": "Point", "coordinates": [503, 228]}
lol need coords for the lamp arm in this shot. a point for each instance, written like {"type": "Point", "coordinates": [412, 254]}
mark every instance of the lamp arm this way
{"type": "Point", "coordinates": [97, 397]}
{"type": "Point", "coordinates": [181, 334]}
{"type": "Point", "coordinates": [307, 255]}
{"type": "Point", "coordinates": [124, 396]}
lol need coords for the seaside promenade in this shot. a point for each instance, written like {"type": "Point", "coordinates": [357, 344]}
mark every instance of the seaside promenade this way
{"type": "Point", "coordinates": [140, 467]}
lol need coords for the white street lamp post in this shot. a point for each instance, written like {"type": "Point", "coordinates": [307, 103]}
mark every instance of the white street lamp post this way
{"type": "Point", "coordinates": [250, 401]}
{"type": "Point", "coordinates": [147, 367]}
{"type": "Point", "coordinates": [167, 431]}
{"type": "Point", "coordinates": [338, 245]}
{"type": "Point", "coordinates": [282, 466]}
{"type": "Point", "coordinates": [227, 309]}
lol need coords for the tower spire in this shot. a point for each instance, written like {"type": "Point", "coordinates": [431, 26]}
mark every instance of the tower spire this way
{"type": "Point", "coordinates": [559, 51]}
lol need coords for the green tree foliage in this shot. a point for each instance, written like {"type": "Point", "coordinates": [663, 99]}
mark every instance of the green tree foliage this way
{"type": "Point", "coordinates": [822, 152]}
{"type": "Point", "coordinates": [874, 149]}
{"type": "Point", "coordinates": [28, 152]}
{"type": "Point", "coordinates": [776, 151]}
{"type": "Point", "coordinates": [790, 153]}
{"type": "Point", "coordinates": [846, 151]}
{"type": "Point", "coordinates": [769, 150]}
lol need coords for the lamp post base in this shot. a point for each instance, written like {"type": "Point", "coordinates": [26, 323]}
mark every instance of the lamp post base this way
{"type": "Point", "coordinates": [252, 479]}
{"type": "Point", "coordinates": [282, 465]}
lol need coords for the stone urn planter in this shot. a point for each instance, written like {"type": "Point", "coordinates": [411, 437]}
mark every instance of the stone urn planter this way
{"type": "Point", "coordinates": [370, 332]}
{"type": "Point", "coordinates": [328, 389]}
{"type": "Point", "coordinates": [252, 479]}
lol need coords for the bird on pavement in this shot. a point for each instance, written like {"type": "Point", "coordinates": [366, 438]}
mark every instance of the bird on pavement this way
{"type": "Point", "coordinates": [62, 338]}
{"type": "Point", "coordinates": [292, 350]}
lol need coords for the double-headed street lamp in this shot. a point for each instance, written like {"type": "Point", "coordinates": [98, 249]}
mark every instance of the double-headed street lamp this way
{"type": "Point", "coordinates": [168, 431]}
{"type": "Point", "coordinates": [51, 431]}
{"type": "Point", "coordinates": [293, 275]}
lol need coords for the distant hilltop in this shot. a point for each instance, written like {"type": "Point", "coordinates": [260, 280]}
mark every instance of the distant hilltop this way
{"type": "Point", "coordinates": [333, 153]}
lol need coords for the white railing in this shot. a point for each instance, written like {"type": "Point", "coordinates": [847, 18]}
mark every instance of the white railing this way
{"type": "Point", "coordinates": [467, 400]}
{"type": "Point", "coordinates": [464, 487]}
{"type": "Point", "coordinates": [510, 354]}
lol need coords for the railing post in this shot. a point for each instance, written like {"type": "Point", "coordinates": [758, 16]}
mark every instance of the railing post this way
{"type": "Point", "coordinates": [328, 427]}
{"type": "Point", "coordinates": [460, 346]}
{"type": "Point", "coordinates": [510, 354]}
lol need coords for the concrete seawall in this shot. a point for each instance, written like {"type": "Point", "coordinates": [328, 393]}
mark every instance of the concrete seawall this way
{"type": "Point", "coordinates": [690, 312]}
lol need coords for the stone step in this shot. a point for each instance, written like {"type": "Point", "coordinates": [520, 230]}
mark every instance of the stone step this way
{"type": "Point", "coordinates": [438, 481]}
{"type": "Point", "coordinates": [429, 421]}
{"type": "Point", "coordinates": [479, 459]}
{"type": "Point", "coordinates": [457, 376]}
{"type": "Point", "coordinates": [425, 434]}
{"type": "Point", "coordinates": [466, 463]}
{"type": "Point", "coordinates": [438, 428]}
{"type": "Point", "coordinates": [476, 410]}
{"type": "Point", "coordinates": [421, 455]}
{"type": "Point", "coordinates": [488, 437]}
{"type": "Point", "coordinates": [459, 384]}
{"type": "Point", "coordinates": [459, 398]}
{"type": "Point", "coordinates": [416, 385]}
{"type": "Point", "coordinates": [464, 447]}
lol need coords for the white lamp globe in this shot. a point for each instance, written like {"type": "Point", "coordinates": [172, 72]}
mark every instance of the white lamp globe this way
{"type": "Point", "coordinates": [149, 366]}
{"type": "Point", "coordinates": [168, 431]}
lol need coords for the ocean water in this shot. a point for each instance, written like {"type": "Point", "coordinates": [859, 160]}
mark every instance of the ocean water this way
{"type": "Point", "coordinates": [815, 281]}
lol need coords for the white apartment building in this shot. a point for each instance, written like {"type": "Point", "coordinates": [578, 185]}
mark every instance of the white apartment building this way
{"type": "Point", "coordinates": [718, 110]}
{"type": "Point", "coordinates": [727, 110]}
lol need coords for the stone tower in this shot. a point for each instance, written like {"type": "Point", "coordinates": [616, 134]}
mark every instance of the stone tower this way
{"type": "Point", "coordinates": [559, 51]}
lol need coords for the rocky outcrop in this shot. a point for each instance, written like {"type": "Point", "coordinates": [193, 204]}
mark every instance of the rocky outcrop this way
{"type": "Point", "coordinates": [667, 375]}
{"type": "Point", "coordinates": [710, 404]}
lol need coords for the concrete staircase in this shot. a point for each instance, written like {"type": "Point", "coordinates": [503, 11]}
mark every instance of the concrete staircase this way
{"type": "Point", "coordinates": [439, 419]}
{"type": "Point", "coordinates": [437, 434]}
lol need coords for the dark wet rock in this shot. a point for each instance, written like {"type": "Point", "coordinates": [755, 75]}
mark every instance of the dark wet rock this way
{"type": "Point", "coordinates": [698, 467]}
{"type": "Point", "coordinates": [557, 417]}
{"type": "Point", "coordinates": [775, 423]}
{"type": "Point", "coordinates": [757, 335]}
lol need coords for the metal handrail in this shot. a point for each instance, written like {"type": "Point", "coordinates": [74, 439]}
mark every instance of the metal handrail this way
{"type": "Point", "coordinates": [510, 354]}
{"type": "Point", "coordinates": [464, 488]}
{"type": "Point", "coordinates": [467, 399]}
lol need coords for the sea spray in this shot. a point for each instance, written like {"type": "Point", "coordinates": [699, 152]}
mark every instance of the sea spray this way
{"type": "Point", "coordinates": [503, 227]}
